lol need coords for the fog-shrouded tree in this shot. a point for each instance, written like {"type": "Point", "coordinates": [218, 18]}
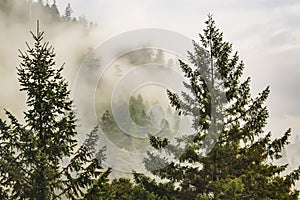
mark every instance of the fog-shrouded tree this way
{"type": "Point", "coordinates": [6, 6]}
{"type": "Point", "coordinates": [140, 56]}
{"type": "Point", "coordinates": [54, 11]}
{"type": "Point", "coordinates": [160, 57]}
{"type": "Point", "coordinates": [68, 12]}
{"type": "Point", "coordinates": [139, 117]}
{"type": "Point", "coordinates": [229, 156]}
{"type": "Point", "coordinates": [33, 153]}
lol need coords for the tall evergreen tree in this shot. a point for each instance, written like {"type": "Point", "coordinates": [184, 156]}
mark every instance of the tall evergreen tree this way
{"type": "Point", "coordinates": [238, 166]}
{"type": "Point", "coordinates": [31, 153]}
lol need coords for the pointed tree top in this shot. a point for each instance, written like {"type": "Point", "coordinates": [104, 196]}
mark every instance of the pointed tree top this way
{"type": "Point", "coordinates": [37, 27]}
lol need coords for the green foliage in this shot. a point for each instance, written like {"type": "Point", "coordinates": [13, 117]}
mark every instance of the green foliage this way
{"type": "Point", "coordinates": [146, 56]}
{"type": "Point", "coordinates": [138, 118]}
{"type": "Point", "coordinates": [124, 189]}
{"type": "Point", "coordinates": [140, 56]}
{"type": "Point", "coordinates": [237, 167]}
{"type": "Point", "coordinates": [115, 134]}
{"type": "Point", "coordinates": [158, 142]}
{"type": "Point", "coordinates": [137, 110]}
{"type": "Point", "coordinates": [225, 189]}
{"type": "Point", "coordinates": [119, 189]}
{"type": "Point", "coordinates": [32, 153]}
{"type": "Point", "coordinates": [164, 191]}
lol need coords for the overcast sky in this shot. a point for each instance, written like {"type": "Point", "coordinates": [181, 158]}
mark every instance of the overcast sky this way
{"type": "Point", "coordinates": [266, 33]}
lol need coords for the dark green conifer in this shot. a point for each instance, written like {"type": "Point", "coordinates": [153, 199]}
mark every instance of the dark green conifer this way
{"type": "Point", "coordinates": [32, 153]}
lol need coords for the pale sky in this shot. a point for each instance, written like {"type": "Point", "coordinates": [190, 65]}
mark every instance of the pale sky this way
{"type": "Point", "coordinates": [266, 33]}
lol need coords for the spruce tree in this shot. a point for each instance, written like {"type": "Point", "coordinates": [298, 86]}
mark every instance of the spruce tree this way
{"type": "Point", "coordinates": [239, 166]}
{"type": "Point", "coordinates": [32, 153]}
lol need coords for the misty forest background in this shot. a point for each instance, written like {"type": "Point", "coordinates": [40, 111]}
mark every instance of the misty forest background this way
{"type": "Point", "coordinates": [43, 156]}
